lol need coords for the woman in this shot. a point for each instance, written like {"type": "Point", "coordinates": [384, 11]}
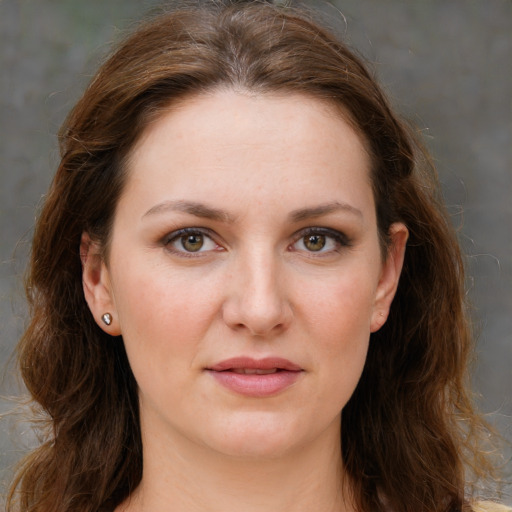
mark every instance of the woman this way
{"type": "Point", "coordinates": [220, 286]}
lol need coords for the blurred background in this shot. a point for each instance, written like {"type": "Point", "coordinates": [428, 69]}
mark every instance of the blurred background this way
{"type": "Point", "coordinates": [446, 65]}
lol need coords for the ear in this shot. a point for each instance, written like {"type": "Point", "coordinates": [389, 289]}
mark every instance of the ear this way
{"type": "Point", "coordinates": [97, 285]}
{"type": "Point", "coordinates": [390, 274]}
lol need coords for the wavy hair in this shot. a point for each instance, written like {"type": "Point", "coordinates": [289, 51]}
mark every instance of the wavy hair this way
{"type": "Point", "coordinates": [409, 431]}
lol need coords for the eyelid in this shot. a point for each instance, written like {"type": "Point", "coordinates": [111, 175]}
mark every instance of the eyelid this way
{"type": "Point", "coordinates": [340, 238]}
{"type": "Point", "coordinates": [174, 235]}
{"type": "Point", "coordinates": [168, 237]}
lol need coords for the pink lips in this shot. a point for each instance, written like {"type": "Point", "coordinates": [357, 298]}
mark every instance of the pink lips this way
{"type": "Point", "coordinates": [256, 377]}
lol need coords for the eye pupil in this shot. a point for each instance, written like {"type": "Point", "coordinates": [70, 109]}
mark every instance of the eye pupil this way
{"type": "Point", "coordinates": [192, 243]}
{"type": "Point", "coordinates": [314, 242]}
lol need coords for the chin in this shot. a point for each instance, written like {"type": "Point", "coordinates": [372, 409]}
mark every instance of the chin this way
{"type": "Point", "coordinates": [262, 435]}
{"type": "Point", "coordinates": [255, 446]}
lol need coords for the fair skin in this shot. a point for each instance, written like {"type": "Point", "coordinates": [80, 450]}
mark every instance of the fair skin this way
{"type": "Point", "coordinates": [280, 262]}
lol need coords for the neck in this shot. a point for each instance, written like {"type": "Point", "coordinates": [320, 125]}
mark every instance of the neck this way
{"type": "Point", "coordinates": [186, 477]}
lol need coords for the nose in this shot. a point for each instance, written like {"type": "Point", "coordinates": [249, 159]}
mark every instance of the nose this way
{"type": "Point", "coordinates": [256, 301]}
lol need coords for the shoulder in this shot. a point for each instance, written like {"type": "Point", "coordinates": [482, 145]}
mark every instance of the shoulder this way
{"type": "Point", "coordinates": [490, 506]}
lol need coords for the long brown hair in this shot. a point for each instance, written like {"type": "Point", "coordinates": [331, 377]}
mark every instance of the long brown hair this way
{"type": "Point", "coordinates": [409, 430]}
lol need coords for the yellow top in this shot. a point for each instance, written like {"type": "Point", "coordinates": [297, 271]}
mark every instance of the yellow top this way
{"type": "Point", "coordinates": [490, 506]}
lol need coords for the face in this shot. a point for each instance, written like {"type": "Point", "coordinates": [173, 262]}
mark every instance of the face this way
{"type": "Point", "coordinates": [245, 273]}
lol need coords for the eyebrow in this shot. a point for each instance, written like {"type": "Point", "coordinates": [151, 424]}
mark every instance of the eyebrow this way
{"type": "Point", "coordinates": [192, 208]}
{"type": "Point", "coordinates": [323, 209]}
{"type": "Point", "coordinates": [208, 212]}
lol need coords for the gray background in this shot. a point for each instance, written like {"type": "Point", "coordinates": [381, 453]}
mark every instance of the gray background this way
{"type": "Point", "coordinates": [445, 63]}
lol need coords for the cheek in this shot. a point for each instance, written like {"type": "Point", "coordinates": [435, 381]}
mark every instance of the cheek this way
{"type": "Point", "coordinates": [342, 303]}
{"type": "Point", "coordinates": [339, 319]}
{"type": "Point", "coordinates": [158, 295]}
{"type": "Point", "coordinates": [163, 317]}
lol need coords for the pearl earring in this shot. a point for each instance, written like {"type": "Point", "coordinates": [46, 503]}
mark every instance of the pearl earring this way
{"type": "Point", "coordinates": [107, 318]}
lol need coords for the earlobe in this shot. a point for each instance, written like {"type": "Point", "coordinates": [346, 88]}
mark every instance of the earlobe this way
{"type": "Point", "coordinates": [97, 285]}
{"type": "Point", "coordinates": [390, 275]}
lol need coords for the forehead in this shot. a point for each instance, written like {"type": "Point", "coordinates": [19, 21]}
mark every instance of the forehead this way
{"type": "Point", "coordinates": [227, 143]}
{"type": "Point", "coordinates": [244, 113]}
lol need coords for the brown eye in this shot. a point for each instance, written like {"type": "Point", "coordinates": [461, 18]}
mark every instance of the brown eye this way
{"type": "Point", "coordinates": [320, 241]}
{"type": "Point", "coordinates": [314, 242]}
{"type": "Point", "coordinates": [192, 243]}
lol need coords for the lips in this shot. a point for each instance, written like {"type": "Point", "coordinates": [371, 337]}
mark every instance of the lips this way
{"type": "Point", "coordinates": [256, 377]}
{"type": "Point", "coordinates": [248, 363]}
{"type": "Point", "coordinates": [252, 371]}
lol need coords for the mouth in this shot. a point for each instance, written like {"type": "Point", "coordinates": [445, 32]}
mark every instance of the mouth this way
{"type": "Point", "coordinates": [252, 371]}
{"type": "Point", "coordinates": [256, 377]}
{"type": "Point", "coordinates": [250, 366]}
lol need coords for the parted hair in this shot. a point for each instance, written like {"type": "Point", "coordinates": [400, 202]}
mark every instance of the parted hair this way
{"type": "Point", "coordinates": [409, 432]}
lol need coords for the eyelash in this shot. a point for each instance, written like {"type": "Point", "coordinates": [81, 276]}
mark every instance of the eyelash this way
{"type": "Point", "coordinates": [339, 238]}
{"type": "Point", "coordinates": [175, 236]}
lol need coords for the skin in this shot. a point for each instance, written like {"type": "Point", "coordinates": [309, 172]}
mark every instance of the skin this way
{"type": "Point", "coordinates": [276, 176]}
